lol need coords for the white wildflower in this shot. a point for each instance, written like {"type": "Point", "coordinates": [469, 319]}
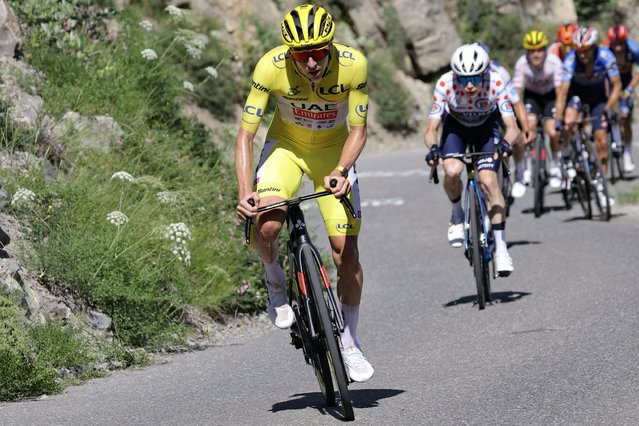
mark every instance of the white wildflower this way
{"type": "Point", "coordinates": [200, 41]}
{"type": "Point", "coordinates": [122, 175]}
{"type": "Point", "coordinates": [188, 86]}
{"type": "Point", "coordinates": [175, 229]}
{"type": "Point", "coordinates": [212, 71]}
{"type": "Point", "coordinates": [149, 54]}
{"type": "Point", "coordinates": [117, 218]}
{"type": "Point", "coordinates": [180, 234]}
{"type": "Point", "coordinates": [23, 196]}
{"type": "Point", "coordinates": [173, 10]}
{"type": "Point", "coordinates": [147, 25]}
{"type": "Point", "coordinates": [167, 197]}
{"type": "Point", "coordinates": [193, 51]}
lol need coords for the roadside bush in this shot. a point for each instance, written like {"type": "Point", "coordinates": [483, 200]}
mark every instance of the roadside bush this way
{"type": "Point", "coordinates": [22, 373]}
{"type": "Point", "coordinates": [393, 112]}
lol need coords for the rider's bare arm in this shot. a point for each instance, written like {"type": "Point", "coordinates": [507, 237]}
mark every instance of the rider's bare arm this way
{"type": "Point", "coordinates": [243, 167]}
{"type": "Point", "coordinates": [560, 104]}
{"type": "Point", "coordinates": [615, 92]}
{"type": "Point", "coordinates": [430, 134]}
{"type": "Point", "coordinates": [512, 132]}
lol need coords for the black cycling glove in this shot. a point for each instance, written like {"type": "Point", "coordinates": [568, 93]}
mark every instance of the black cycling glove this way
{"type": "Point", "coordinates": [434, 155]}
{"type": "Point", "coordinates": [503, 147]}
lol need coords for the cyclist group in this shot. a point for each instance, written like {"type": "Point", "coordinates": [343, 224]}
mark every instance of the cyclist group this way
{"type": "Point", "coordinates": [319, 129]}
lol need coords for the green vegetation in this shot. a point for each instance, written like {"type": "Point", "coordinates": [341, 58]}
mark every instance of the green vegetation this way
{"type": "Point", "coordinates": [393, 112]}
{"type": "Point", "coordinates": [143, 228]}
{"type": "Point", "coordinates": [594, 10]}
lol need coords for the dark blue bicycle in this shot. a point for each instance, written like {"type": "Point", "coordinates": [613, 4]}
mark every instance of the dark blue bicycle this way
{"type": "Point", "coordinates": [479, 243]}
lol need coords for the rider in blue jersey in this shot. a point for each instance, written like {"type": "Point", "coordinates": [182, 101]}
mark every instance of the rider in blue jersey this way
{"type": "Point", "coordinates": [589, 77]}
{"type": "Point", "coordinates": [627, 54]}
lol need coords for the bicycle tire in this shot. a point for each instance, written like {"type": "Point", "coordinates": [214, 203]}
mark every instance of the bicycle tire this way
{"type": "Point", "coordinates": [506, 187]}
{"type": "Point", "coordinates": [599, 184]}
{"type": "Point", "coordinates": [313, 352]}
{"type": "Point", "coordinates": [476, 246]}
{"type": "Point", "coordinates": [328, 335]}
{"type": "Point", "coordinates": [581, 187]}
{"type": "Point", "coordinates": [539, 180]}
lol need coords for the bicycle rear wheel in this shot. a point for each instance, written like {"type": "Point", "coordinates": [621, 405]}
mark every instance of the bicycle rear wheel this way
{"type": "Point", "coordinates": [327, 332]}
{"type": "Point", "coordinates": [301, 332]}
{"type": "Point", "coordinates": [599, 186]}
{"type": "Point", "coordinates": [480, 266]}
{"type": "Point", "coordinates": [539, 174]}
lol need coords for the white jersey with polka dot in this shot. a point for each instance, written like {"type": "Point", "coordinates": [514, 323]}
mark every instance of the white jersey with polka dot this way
{"type": "Point", "coordinates": [470, 111]}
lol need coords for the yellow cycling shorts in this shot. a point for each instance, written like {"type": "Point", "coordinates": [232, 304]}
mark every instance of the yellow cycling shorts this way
{"type": "Point", "coordinates": [281, 168]}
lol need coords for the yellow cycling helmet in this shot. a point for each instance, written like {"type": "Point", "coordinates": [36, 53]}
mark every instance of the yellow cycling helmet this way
{"type": "Point", "coordinates": [535, 40]}
{"type": "Point", "coordinates": [307, 26]}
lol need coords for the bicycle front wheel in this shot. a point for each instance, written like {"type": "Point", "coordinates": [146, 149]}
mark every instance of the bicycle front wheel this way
{"type": "Point", "coordinates": [305, 323]}
{"type": "Point", "coordinates": [539, 174]}
{"type": "Point", "coordinates": [480, 266]}
{"type": "Point", "coordinates": [328, 334]}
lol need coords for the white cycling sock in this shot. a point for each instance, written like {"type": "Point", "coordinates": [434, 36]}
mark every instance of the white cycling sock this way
{"type": "Point", "coordinates": [274, 272]}
{"type": "Point", "coordinates": [457, 216]}
{"type": "Point", "coordinates": [351, 316]}
{"type": "Point", "coordinates": [628, 149]}
{"type": "Point", "coordinates": [500, 241]}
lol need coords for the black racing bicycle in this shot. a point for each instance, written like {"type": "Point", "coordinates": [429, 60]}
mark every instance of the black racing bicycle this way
{"type": "Point", "coordinates": [540, 174]}
{"type": "Point", "coordinates": [318, 319]}
{"type": "Point", "coordinates": [583, 176]}
{"type": "Point", "coordinates": [479, 244]}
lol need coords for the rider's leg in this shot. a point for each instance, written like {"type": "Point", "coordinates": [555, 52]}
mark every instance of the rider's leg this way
{"type": "Point", "coordinates": [350, 280]}
{"type": "Point", "coordinates": [269, 225]}
{"type": "Point", "coordinates": [626, 127]}
{"type": "Point", "coordinates": [453, 187]}
{"type": "Point", "coordinates": [496, 210]}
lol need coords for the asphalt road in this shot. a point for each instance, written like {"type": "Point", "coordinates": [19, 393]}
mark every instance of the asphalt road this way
{"type": "Point", "coordinates": [560, 345]}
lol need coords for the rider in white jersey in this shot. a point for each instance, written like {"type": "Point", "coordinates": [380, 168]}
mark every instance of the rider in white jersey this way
{"type": "Point", "coordinates": [537, 77]}
{"type": "Point", "coordinates": [522, 117]}
{"type": "Point", "coordinates": [468, 102]}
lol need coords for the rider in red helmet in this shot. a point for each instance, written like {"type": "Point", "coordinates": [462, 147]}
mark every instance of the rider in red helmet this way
{"type": "Point", "coordinates": [563, 42]}
{"type": "Point", "coordinates": [627, 54]}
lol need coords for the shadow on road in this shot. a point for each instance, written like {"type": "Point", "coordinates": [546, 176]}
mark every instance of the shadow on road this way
{"type": "Point", "coordinates": [522, 243]}
{"type": "Point", "coordinates": [498, 297]}
{"type": "Point", "coordinates": [362, 398]}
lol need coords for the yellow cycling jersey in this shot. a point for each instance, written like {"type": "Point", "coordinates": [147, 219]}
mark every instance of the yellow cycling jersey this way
{"type": "Point", "coordinates": [309, 114]}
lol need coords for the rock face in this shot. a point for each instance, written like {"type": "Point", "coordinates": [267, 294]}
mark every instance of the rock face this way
{"type": "Point", "coordinates": [10, 41]}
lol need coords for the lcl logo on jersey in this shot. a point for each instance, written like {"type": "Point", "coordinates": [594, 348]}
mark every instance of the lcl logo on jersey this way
{"type": "Point", "coordinates": [279, 58]}
{"type": "Point", "coordinates": [345, 54]}
{"type": "Point", "coordinates": [362, 110]}
{"type": "Point", "coordinates": [251, 110]}
{"type": "Point", "coordinates": [483, 104]}
{"type": "Point", "coordinates": [333, 90]}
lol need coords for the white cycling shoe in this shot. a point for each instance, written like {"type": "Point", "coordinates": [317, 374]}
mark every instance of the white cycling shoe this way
{"type": "Point", "coordinates": [456, 234]}
{"type": "Point", "coordinates": [279, 311]}
{"type": "Point", "coordinates": [519, 189]}
{"type": "Point", "coordinates": [504, 264]}
{"type": "Point", "coordinates": [357, 366]}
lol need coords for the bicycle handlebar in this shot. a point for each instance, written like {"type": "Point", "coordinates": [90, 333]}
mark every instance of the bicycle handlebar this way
{"type": "Point", "coordinates": [466, 158]}
{"type": "Point", "coordinates": [295, 201]}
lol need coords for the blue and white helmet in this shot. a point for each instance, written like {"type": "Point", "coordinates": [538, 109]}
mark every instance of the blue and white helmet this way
{"type": "Point", "coordinates": [469, 59]}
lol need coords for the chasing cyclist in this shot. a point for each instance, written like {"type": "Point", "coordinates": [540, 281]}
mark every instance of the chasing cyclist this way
{"type": "Point", "coordinates": [537, 77]}
{"type": "Point", "coordinates": [467, 101]}
{"type": "Point", "coordinates": [319, 129]}
{"type": "Point", "coordinates": [563, 43]}
{"type": "Point", "coordinates": [588, 71]}
{"type": "Point", "coordinates": [527, 132]}
{"type": "Point", "coordinates": [627, 54]}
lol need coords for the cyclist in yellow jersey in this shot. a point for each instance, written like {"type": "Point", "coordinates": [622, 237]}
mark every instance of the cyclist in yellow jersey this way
{"type": "Point", "coordinates": [319, 129]}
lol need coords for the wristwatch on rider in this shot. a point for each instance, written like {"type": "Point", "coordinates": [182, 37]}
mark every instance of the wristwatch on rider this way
{"type": "Point", "coordinates": [342, 170]}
